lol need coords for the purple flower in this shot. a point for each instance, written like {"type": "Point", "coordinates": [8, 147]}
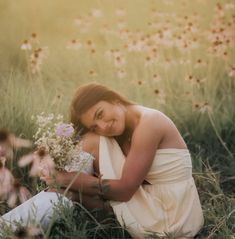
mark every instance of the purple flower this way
{"type": "Point", "coordinates": [64, 130]}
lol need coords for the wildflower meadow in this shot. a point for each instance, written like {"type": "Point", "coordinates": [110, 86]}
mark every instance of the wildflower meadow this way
{"type": "Point", "coordinates": [176, 56]}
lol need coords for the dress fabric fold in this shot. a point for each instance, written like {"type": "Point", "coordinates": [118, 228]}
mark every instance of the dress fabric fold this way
{"type": "Point", "coordinates": [168, 205]}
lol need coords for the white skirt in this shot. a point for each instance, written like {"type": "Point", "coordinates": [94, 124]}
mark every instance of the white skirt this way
{"type": "Point", "coordinates": [37, 210]}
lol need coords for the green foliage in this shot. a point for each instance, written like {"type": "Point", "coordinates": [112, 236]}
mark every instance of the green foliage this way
{"type": "Point", "coordinates": [80, 223]}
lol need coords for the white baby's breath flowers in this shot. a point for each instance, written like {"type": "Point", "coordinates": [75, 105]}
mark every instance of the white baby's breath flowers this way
{"type": "Point", "coordinates": [57, 140]}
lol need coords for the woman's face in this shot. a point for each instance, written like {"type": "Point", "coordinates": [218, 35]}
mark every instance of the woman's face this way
{"type": "Point", "coordinates": [104, 118]}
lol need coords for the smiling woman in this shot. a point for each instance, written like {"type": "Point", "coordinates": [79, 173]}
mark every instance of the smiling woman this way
{"type": "Point", "coordinates": [144, 162]}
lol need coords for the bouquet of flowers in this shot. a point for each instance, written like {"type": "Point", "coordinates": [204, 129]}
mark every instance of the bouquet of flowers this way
{"type": "Point", "coordinates": [56, 138]}
{"type": "Point", "coordinates": [57, 147]}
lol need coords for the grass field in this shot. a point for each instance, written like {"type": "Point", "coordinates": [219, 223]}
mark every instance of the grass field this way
{"type": "Point", "coordinates": [175, 56]}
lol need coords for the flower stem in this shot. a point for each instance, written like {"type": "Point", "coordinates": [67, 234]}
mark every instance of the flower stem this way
{"type": "Point", "coordinates": [218, 135]}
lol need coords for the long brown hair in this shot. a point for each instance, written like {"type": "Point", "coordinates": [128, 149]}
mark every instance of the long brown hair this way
{"type": "Point", "coordinates": [87, 96]}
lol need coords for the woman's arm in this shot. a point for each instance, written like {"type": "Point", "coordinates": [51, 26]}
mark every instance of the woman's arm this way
{"type": "Point", "coordinates": [145, 140]}
{"type": "Point", "coordinates": [89, 202]}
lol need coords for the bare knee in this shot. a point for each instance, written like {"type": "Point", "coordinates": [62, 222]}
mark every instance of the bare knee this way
{"type": "Point", "coordinates": [90, 143]}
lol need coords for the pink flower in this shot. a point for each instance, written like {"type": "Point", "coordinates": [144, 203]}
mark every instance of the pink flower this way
{"type": "Point", "coordinates": [19, 143]}
{"type": "Point", "coordinates": [231, 71]}
{"type": "Point", "coordinates": [40, 160]}
{"type": "Point", "coordinates": [33, 159]}
{"type": "Point", "coordinates": [18, 194]}
{"type": "Point", "coordinates": [6, 182]}
{"type": "Point", "coordinates": [27, 232]}
{"type": "Point", "coordinates": [64, 130]}
{"type": "Point", "coordinates": [26, 45]}
{"type": "Point", "coordinates": [2, 151]}
{"type": "Point", "coordinates": [8, 141]}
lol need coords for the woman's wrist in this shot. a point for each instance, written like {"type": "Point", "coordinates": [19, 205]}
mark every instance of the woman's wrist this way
{"type": "Point", "coordinates": [62, 178]}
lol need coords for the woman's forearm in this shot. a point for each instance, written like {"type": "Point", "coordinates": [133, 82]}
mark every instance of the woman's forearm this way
{"type": "Point", "coordinates": [79, 182]}
{"type": "Point", "coordinates": [95, 186]}
{"type": "Point", "coordinates": [90, 202]}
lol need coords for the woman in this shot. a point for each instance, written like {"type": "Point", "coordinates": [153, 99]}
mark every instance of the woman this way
{"type": "Point", "coordinates": [146, 173]}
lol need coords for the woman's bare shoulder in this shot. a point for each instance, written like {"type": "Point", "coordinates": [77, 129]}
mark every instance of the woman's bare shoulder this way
{"type": "Point", "coordinates": [152, 118]}
{"type": "Point", "coordinates": [151, 127]}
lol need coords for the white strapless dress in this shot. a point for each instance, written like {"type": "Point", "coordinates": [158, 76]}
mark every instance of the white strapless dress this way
{"type": "Point", "coordinates": [168, 205]}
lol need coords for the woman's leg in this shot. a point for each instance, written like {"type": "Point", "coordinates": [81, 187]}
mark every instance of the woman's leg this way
{"type": "Point", "coordinates": [36, 210]}
{"type": "Point", "coordinates": [39, 209]}
{"type": "Point", "coordinates": [90, 144]}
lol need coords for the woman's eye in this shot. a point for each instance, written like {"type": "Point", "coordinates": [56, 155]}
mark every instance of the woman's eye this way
{"type": "Point", "coordinates": [99, 115]}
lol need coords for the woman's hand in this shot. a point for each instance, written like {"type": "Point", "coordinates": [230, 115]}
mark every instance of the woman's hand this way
{"type": "Point", "coordinates": [55, 179]}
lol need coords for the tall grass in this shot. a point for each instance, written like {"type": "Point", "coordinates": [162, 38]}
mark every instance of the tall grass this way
{"type": "Point", "coordinates": [179, 69]}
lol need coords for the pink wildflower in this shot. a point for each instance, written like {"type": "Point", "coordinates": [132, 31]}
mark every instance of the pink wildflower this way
{"type": "Point", "coordinates": [40, 160]}
{"type": "Point", "coordinates": [18, 194]}
{"type": "Point", "coordinates": [64, 130]}
{"type": "Point", "coordinates": [6, 182]}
